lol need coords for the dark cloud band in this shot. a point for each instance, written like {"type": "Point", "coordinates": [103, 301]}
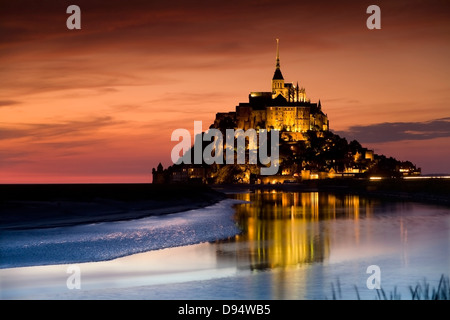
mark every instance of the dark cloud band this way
{"type": "Point", "coordinates": [398, 131]}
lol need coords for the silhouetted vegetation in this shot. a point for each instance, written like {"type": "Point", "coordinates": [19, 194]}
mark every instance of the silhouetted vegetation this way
{"type": "Point", "coordinates": [421, 291]}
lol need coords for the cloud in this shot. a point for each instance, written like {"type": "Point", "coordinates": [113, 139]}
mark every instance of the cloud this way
{"type": "Point", "coordinates": [140, 42]}
{"type": "Point", "coordinates": [13, 156]}
{"type": "Point", "coordinates": [201, 27]}
{"type": "Point", "coordinates": [8, 103]}
{"type": "Point", "coordinates": [25, 143]}
{"type": "Point", "coordinates": [44, 131]}
{"type": "Point", "coordinates": [398, 131]}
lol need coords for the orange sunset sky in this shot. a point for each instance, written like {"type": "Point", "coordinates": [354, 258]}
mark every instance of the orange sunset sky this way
{"type": "Point", "coordinates": [99, 104]}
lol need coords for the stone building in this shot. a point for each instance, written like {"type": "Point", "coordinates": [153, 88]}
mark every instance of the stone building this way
{"type": "Point", "coordinates": [285, 108]}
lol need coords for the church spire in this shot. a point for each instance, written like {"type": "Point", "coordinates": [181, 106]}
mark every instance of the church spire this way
{"type": "Point", "coordinates": [278, 54]}
{"type": "Point", "coordinates": [277, 75]}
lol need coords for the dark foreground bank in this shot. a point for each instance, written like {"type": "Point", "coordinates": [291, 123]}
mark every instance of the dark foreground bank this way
{"type": "Point", "coordinates": [52, 205]}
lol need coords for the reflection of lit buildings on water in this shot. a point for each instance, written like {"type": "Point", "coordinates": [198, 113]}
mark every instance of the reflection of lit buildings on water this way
{"type": "Point", "coordinates": [283, 229]}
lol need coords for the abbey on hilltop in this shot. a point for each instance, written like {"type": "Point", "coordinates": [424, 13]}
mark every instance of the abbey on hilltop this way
{"type": "Point", "coordinates": [286, 108]}
{"type": "Point", "coordinates": [307, 148]}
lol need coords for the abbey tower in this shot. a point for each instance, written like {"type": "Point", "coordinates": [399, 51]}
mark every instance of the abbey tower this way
{"type": "Point", "coordinates": [285, 108]}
